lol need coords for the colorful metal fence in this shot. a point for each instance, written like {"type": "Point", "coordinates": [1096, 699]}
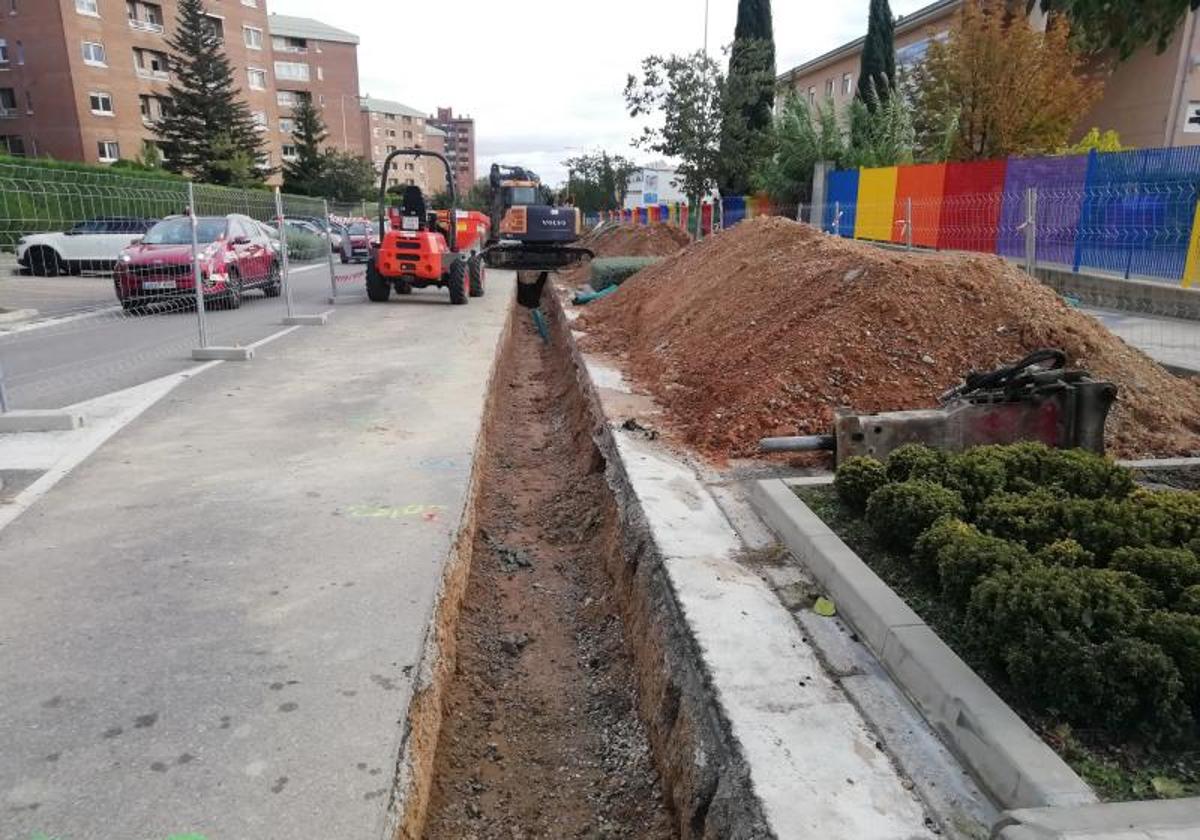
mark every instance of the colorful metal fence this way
{"type": "Point", "coordinates": [1126, 213]}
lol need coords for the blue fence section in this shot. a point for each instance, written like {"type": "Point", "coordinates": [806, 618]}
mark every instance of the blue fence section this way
{"type": "Point", "coordinates": [1060, 184]}
{"type": "Point", "coordinates": [841, 196]}
{"type": "Point", "coordinates": [733, 210]}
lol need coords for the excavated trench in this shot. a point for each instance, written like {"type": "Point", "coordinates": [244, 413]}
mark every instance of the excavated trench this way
{"type": "Point", "coordinates": [539, 733]}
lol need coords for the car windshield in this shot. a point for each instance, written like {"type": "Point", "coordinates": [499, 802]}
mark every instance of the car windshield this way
{"type": "Point", "coordinates": [358, 230]}
{"type": "Point", "coordinates": [179, 232]}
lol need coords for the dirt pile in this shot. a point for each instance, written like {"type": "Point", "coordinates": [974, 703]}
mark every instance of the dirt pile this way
{"type": "Point", "coordinates": [656, 240]}
{"type": "Point", "coordinates": [766, 328]}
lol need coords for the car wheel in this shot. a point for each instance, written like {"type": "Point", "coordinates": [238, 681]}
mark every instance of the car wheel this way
{"type": "Point", "coordinates": [345, 259]}
{"type": "Point", "coordinates": [458, 282]}
{"type": "Point", "coordinates": [45, 262]}
{"type": "Point", "coordinates": [476, 276]}
{"type": "Point", "coordinates": [274, 286]}
{"type": "Point", "coordinates": [378, 288]}
{"type": "Point", "coordinates": [233, 292]}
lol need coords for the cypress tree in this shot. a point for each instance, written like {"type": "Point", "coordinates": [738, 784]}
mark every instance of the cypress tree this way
{"type": "Point", "coordinates": [877, 74]}
{"type": "Point", "coordinates": [749, 96]}
{"type": "Point", "coordinates": [303, 175]}
{"type": "Point", "coordinates": [208, 132]}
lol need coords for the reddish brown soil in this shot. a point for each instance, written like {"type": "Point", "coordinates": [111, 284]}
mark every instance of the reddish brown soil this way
{"type": "Point", "coordinates": [766, 328]}
{"type": "Point", "coordinates": [656, 240]}
{"type": "Point", "coordinates": [541, 737]}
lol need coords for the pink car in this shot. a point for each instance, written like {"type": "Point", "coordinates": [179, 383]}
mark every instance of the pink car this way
{"type": "Point", "coordinates": [235, 255]}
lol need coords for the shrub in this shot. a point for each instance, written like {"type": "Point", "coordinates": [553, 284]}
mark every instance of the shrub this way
{"type": "Point", "coordinates": [1169, 571]}
{"type": "Point", "coordinates": [1023, 463]}
{"type": "Point", "coordinates": [968, 560]}
{"type": "Point", "coordinates": [898, 513]}
{"type": "Point", "coordinates": [1189, 601]}
{"type": "Point", "coordinates": [1087, 475]}
{"type": "Point", "coordinates": [1104, 525]}
{"type": "Point", "coordinates": [1033, 519]}
{"type": "Point", "coordinates": [1064, 553]}
{"type": "Point", "coordinates": [856, 479]}
{"type": "Point", "coordinates": [915, 460]}
{"type": "Point", "coordinates": [1032, 603]}
{"type": "Point", "coordinates": [976, 474]}
{"type": "Point", "coordinates": [945, 532]}
{"type": "Point", "coordinates": [1122, 685]}
{"type": "Point", "coordinates": [1179, 636]}
{"type": "Point", "coordinates": [613, 271]}
{"type": "Point", "coordinates": [304, 246]}
{"type": "Point", "coordinates": [1174, 517]}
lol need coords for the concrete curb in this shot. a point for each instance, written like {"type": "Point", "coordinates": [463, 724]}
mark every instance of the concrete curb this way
{"type": "Point", "coordinates": [752, 736]}
{"type": "Point", "coordinates": [39, 421]}
{"type": "Point", "coordinates": [1008, 760]}
{"type": "Point", "coordinates": [1172, 819]}
{"type": "Point", "coordinates": [306, 320]}
{"type": "Point", "coordinates": [223, 354]}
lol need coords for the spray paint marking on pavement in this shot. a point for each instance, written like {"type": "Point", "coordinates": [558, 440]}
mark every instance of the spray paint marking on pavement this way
{"type": "Point", "coordinates": [428, 513]}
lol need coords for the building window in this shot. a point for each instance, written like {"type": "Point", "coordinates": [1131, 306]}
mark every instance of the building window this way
{"type": "Point", "coordinates": [292, 45]}
{"type": "Point", "coordinates": [8, 102]}
{"type": "Point", "coordinates": [93, 54]}
{"type": "Point", "coordinates": [257, 77]}
{"type": "Point", "coordinates": [408, 135]}
{"type": "Point", "coordinates": [1191, 121]}
{"type": "Point", "coordinates": [13, 144]}
{"type": "Point", "coordinates": [87, 7]}
{"type": "Point", "coordinates": [215, 26]}
{"type": "Point", "coordinates": [812, 96]}
{"type": "Point", "coordinates": [146, 17]}
{"type": "Point", "coordinates": [253, 37]}
{"type": "Point", "coordinates": [290, 98]}
{"type": "Point", "coordinates": [253, 4]}
{"type": "Point", "coordinates": [101, 103]}
{"type": "Point", "coordinates": [847, 83]}
{"type": "Point", "coordinates": [109, 151]}
{"type": "Point", "coordinates": [287, 126]}
{"type": "Point", "coordinates": [829, 88]}
{"type": "Point", "coordinates": [150, 64]}
{"type": "Point", "coordinates": [20, 53]}
{"type": "Point", "coordinates": [292, 71]}
{"type": "Point", "coordinates": [289, 152]}
{"type": "Point", "coordinates": [3, 52]}
{"type": "Point", "coordinates": [153, 108]}
{"type": "Point", "coordinates": [260, 119]}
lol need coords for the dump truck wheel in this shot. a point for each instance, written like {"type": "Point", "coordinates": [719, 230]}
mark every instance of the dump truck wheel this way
{"type": "Point", "coordinates": [378, 288]}
{"type": "Point", "coordinates": [458, 282]}
{"type": "Point", "coordinates": [476, 271]}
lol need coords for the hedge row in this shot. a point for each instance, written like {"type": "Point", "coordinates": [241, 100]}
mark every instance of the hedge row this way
{"type": "Point", "coordinates": [1081, 589]}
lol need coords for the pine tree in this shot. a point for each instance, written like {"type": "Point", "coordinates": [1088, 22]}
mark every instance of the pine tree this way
{"type": "Point", "coordinates": [749, 96]}
{"type": "Point", "coordinates": [877, 75]}
{"type": "Point", "coordinates": [303, 175]}
{"type": "Point", "coordinates": [208, 132]}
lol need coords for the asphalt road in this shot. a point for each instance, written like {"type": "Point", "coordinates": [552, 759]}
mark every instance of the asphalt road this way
{"type": "Point", "coordinates": [213, 626]}
{"type": "Point", "coordinates": [92, 347]}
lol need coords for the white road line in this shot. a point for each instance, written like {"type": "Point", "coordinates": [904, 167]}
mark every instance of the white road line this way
{"type": "Point", "coordinates": [55, 321]}
{"type": "Point", "coordinates": [271, 337]}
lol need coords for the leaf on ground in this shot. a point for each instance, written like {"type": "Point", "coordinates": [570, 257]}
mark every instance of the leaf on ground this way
{"type": "Point", "coordinates": [1168, 788]}
{"type": "Point", "coordinates": [825, 607]}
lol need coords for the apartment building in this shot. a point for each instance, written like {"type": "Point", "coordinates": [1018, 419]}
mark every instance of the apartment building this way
{"type": "Point", "coordinates": [85, 79]}
{"type": "Point", "coordinates": [460, 146]}
{"type": "Point", "coordinates": [387, 126]}
{"type": "Point", "coordinates": [1152, 99]}
{"type": "Point", "coordinates": [315, 61]}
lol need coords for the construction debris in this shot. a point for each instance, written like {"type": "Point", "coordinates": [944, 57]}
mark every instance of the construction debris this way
{"type": "Point", "coordinates": [764, 329]}
{"type": "Point", "coordinates": [656, 240]}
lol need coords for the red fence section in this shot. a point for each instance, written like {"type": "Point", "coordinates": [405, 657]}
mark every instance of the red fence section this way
{"type": "Point", "coordinates": [971, 203]}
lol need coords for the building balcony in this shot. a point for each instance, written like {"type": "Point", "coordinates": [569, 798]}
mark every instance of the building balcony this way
{"type": "Point", "coordinates": [146, 26]}
{"type": "Point", "coordinates": [153, 75]}
{"type": "Point", "coordinates": [9, 113]}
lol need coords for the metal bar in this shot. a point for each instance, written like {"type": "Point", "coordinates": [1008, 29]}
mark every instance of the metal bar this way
{"type": "Point", "coordinates": [801, 443]}
{"type": "Point", "coordinates": [196, 279]}
{"type": "Point", "coordinates": [283, 251]}
{"type": "Point", "coordinates": [329, 230]}
{"type": "Point", "coordinates": [908, 223]}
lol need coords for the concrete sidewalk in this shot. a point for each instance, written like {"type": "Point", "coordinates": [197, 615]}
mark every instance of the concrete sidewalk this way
{"type": "Point", "coordinates": [211, 626]}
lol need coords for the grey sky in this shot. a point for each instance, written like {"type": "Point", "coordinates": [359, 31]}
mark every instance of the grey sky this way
{"type": "Point", "coordinates": [543, 78]}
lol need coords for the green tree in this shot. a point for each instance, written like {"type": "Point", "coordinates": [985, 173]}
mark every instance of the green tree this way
{"type": "Point", "coordinates": [749, 97]}
{"type": "Point", "coordinates": [804, 136]}
{"type": "Point", "coordinates": [346, 177]}
{"type": "Point", "coordinates": [686, 92]}
{"type": "Point", "coordinates": [881, 129]}
{"type": "Point", "coordinates": [1120, 25]}
{"type": "Point", "coordinates": [208, 131]}
{"type": "Point", "coordinates": [599, 181]}
{"type": "Point", "coordinates": [877, 74]}
{"type": "Point", "coordinates": [302, 176]}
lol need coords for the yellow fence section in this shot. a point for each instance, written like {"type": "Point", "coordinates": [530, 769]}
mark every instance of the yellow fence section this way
{"type": "Point", "coordinates": [1191, 271]}
{"type": "Point", "coordinates": [876, 203]}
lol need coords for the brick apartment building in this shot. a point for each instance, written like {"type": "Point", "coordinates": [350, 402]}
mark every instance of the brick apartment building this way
{"type": "Point", "coordinates": [1150, 100]}
{"type": "Point", "coordinates": [387, 126]}
{"type": "Point", "coordinates": [312, 60]}
{"type": "Point", "coordinates": [86, 79]}
{"type": "Point", "coordinates": [460, 146]}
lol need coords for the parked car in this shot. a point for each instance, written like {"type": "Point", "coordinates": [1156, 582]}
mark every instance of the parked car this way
{"type": "Point", "coordinates": [236, 254]}
{"type": "Point", "coordinates": [93, 245]}
{"type": "Point", "coordinates": [336, 233]}
{"type": "Point", "coordinates": [356, 244]}
{"type": "Point", "coordinates": [307, 226]}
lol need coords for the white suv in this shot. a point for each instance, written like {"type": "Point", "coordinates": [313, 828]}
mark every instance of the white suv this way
{"type": "Point", "coordinates": [93, 245]}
